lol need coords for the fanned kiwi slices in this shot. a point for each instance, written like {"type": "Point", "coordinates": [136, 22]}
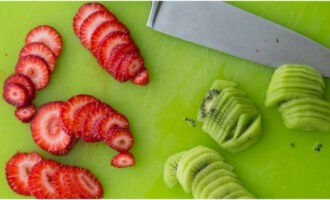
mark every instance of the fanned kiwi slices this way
{"type": "Point", "coordinates": [229, 116]}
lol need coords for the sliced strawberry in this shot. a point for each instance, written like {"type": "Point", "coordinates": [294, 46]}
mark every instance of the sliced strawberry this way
{"type": "Point", "coordinates": [18, 169]}
{"type": "Point", "coordinates": [118, 54]}
{"type": "Point", "coordinates": [36, 69]}
{"type": "Point", "coordinates": [65, 183]}
{"type": "Point", "coordinates": [133, 65]}
{"type": "Point", "coordinates": [119, 139]}
{"type": "Point", "coordinates": [88, 185]}
{"type": "Point", "coordinates": [103, 30]}
{"type": "Point", "coordinates": [142, 78]}
{"type": "Point", "coordinates": [81, 117]}
{"type": "Point", "coordinates": [110, 121]}
{"type": "Point", "coordinates": [15, 94]}
{"type": "Point", "coordinates": [41, 50]}
{"type": "Point", "coordinates": [91, 23]}
{"type": "Point", "coordinates": [127, 62]}
{"type": "Point", "coordinates": [109, 43]}
{"type": "Point", "coordinates": [89, 131]}
{"type": "Point", "coordinates": [123, 159]}
{"type": "Point", "coordinates": [83, 12]}
{"type": "Point", "coordinates": [47, 131]}
{"type": "Point", "coordinates": [46, 35]}
{"type": "Point", "coordinates": [22, 80]}
{"type": "Point", "coordinates": [25, 114]}
{"type": "Point", "coordinates": [41, 179]}
{"type": "Point", "coordinates": [70, 110]}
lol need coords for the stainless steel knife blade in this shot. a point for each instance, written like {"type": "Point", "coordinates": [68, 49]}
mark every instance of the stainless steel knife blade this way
{"type": "Point", "coordinates": [226, 28]}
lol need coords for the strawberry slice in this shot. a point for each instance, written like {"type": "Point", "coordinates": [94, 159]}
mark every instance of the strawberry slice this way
{"type": "Point", "coordinates": [117, 55]}
{"type": "Point", "coordinates": [18, 169]}
{"type": "Point", "coordinates": [46, 35]}
{"type": "Point", "coordinates": [65, 184]}
{"type": "Point", "coordinates": [70, 110]}
{"type": "Point", "coordinates": [25, 114]}
{"type": "Point", "coordinates": [89, 131]}
{"type": "Point", "coordinates": [142, 78]}
{"type": "Point", "coordinates": [91, 23]}
{"type": "Point", "coordinates": [47, 131]}
{"type": "Point", "coordinates": [82, 116]}
{"type": "Point", "coordinates": [22, 80]}
{"type": "Point", "coordinates": [88, 185]}
{"type": "Point", "coordinates": [119, 139]}
{"type": "Point", "coordinates": [15, 94]}
{"type": "Point", "coordinates": [123, 159]}
{"type": "Point", "coordinates": [41, 179]}
{"type": "Point", "coordinates": [40, 50]}
{"type": "Point", "coordinates": [111, 121]}
{"type": "Point", "coordinates": [122, 70]}
{"type": "Point", "coordinates": [36, 69]}
{"type": "Point", "coordinates": [83, 12]}
{"type": "Point", "coordinates": [109, 43]}
{"type": "Point", "coordinates": [103, 30]}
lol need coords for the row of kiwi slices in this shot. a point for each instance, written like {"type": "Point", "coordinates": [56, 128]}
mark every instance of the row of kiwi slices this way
{"type": "Point", "coordinates": [298, 91]}
{"type": "Point", "coordinates": [203, 172]}
{"type": "Point", "coordinates": [229, 116]}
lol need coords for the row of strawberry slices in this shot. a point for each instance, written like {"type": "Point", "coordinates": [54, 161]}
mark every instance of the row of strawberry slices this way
{"type": "Point", "coordinates": [57, 125]}
{"type": "Point", "coordinates": [30, 174]}
{"type": "Point", "coordinates": [35, 63]}
{"type": "Point", "coordinates": [110, 42]}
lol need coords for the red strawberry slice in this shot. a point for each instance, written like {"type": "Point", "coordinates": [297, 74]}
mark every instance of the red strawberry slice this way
{"type": "Point", "coordinates": [25, 114]}
{"type": "Point", "coordinates": [91, 23]}
{"type": "Point", "coordinates": [142, 78]}
{"type": "Point", "coordinates": [103, 30]}
{"type": "Point", "coordinates": [41, 179]}
{"type": "Point", "coordinates": [83, 12]}
{"type": "Point", "coordinates": [18, 169]}
{"type": "Point", "coordinates": [15, 94]}
{"type": "Point", "coordinates": [89, 131]}
{"type": "Point", "coordinates": [118, 54]}
{"type": "Point", "coordinates": [36, 69]}
{"type": "Point", "coordinates": [121, 71]}
{"type": "Point", "coordinates": [119, 139]}
{"type": "Point", "coordinates": [47, 131]}
{"type": "Point", "coordinates": [70, 110]}
{"type": "Point", "coordinates": [65, 183]}
{"type": "Point", "coordinates": [46, 35]}
{"type": "Point", "coordinates": [123, 159]}
{"type": "Point", "coordinates": [88, 185]}
{"type": "Point", "coordinates": [133, 65]}
{"type": "Point", "coordinates": [40, 50]}
{"type": "Point", "coordinates": [22, 80]}
{"type": "Point", "coordinates": [109, 43]}
{"type": "Point", "coordinates": [82, 116]}
{"type": "Point", "coordinates": [110, 121]}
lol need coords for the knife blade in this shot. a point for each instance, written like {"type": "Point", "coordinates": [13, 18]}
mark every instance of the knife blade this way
{"type": "Point", "coordinates": [229, 29]}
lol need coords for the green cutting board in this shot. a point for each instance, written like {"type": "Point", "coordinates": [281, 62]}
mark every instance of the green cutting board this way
{"type": "Point", "coordinates": [180, 74]}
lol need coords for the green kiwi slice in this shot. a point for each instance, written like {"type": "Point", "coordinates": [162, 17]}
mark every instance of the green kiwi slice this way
{"type": "Point", "coordinates": [224, 190]}
{"type": "Point", "coordinates": [210, 97]}
{"type": "Point", "coordinates": [292, 69]}
{"type": "Point", "coordinates": [192, 163]}
{"type": "Point", "coordinates": [239, 194]}
{"type": "Point", "coordinates": [307, 122]}
{"type": "Point", "coordinates": [170, 169]}
{"type": "Point", "coordinates": [304, 104]}
{"type": "Point", "coordinates": [216, 183]}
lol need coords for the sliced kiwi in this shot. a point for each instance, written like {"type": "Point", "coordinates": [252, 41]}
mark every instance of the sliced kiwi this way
{"type": "Point", "coordinates": [207, 179]}
{"type": "Point", "coordinates": [292, 69]}
{"type": "Point", "coordinates": [307, 122]}
{"type": "Point", "coordinates": [239, 194]}
{"type": "Point", "coordinates": [170, 169]}
{"type": "Point", "coordinates": [192, 163]}
{"type": "Point", "coordinates": [303, 104]}
{"type": "Point", "coordinates": [210, 97]}
{"type": "Point", "coordinates": [216, 183]}
{"type": "Point", "coordinates": [246, 139]}
{"type": "Point", "coordinates": [207, 170]}
{"type": "Point", "coordinates": [225, 190]}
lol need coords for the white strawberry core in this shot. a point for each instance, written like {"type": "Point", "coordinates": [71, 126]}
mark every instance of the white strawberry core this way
{"type": "Point", "coordinates": [46, 178]}
{"type": "Point", "coordinates": [88, 184]}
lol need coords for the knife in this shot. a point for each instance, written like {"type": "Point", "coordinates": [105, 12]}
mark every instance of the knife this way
{"type": "Point", "coordinates": [226, 28]}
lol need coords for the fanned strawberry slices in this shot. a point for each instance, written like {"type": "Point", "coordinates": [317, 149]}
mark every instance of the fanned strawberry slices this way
{"type": "Point", "coordinates": [101, 32]}
{"type": "Point", "coordinates": [30, 174]}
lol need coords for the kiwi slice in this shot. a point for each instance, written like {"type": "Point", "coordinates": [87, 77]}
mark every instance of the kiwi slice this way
{"type": "Point", "coordinates": [170, 169]}
{"type": "Point", "coordinates": [304, 104]}
{"type": "Point", "coordinates": [225, 190]}
{"type": "Point", "coordinates": [207, 170]}
{"type": "Point", "coordinates": [192, 163]}
{"type": "Point", "coordinates": [292, 69]}
{"type": "Point", "coordinates": [307, 122]}
{"type": "Point", "coordinates": [239, 194]}
{"type": "Point", "coordinates": [216, 183]}
{"type": "Point", "coordinates": [210, 97]}
{"type": "Point", "coordinates": [207, 179]}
